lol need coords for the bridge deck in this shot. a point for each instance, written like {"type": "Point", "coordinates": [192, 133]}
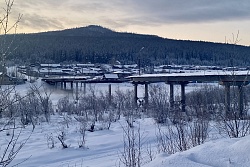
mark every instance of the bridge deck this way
{"type": "Point", "coordinates": [224, 76]}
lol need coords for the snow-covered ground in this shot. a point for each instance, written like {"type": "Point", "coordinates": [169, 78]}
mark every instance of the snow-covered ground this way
{"type": "Point", "coordinates": [222, 152]}
{"type": "Point", "coordinates": [103, 148]}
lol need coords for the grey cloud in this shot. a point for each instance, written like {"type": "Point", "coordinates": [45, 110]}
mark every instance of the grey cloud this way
{"type": "Point", "coordinates": [88, 7]}
{"type": "Point", "coordinates": [190, 11]}
{"type": "Point", "coordinates": [119, 13]}
{"type": "Point", "coordinates": [155, 12]}
{"type": "Point", "coordinates": [120, 23]}
{"type": "Point", "coordinates": [40, 23]}
{"type": "Point", "coordinates": [97, 6]}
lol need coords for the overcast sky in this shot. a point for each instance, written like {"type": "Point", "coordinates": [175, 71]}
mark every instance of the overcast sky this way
{"type": "Point", "coordinates": [205, 20]}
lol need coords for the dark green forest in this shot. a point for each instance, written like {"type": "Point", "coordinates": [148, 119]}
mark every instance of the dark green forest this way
{"type": "Point", "coordinates": [96, 44]}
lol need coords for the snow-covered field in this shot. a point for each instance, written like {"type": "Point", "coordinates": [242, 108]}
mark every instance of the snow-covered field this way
{"type": "Point", "coordinates": [103, 148]}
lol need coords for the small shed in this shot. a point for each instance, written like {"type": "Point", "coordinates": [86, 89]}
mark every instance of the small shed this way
{"type": "Point", "coordinates": [110, 77]}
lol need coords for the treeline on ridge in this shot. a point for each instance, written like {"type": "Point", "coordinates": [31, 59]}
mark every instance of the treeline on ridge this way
{"type": "Point", "coordinates": [96, 44]}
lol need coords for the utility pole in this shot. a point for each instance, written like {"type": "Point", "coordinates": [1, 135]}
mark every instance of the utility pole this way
{"type": "Point", "coordinates": [139, 63]}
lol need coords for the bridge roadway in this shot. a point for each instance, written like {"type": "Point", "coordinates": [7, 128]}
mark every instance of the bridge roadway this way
{"type": "Point", "coordinates": [226, 78]}
{"type": "Point", "coordinates": [64, 80]}
{"type": "Point", "coordinates": [54, 80]}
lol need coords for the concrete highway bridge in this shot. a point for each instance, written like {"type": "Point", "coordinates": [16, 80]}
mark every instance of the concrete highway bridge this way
{"type": "Point", "coordinates": [63, 80]}
{"type": "Point", "coordinates": [225, 78]}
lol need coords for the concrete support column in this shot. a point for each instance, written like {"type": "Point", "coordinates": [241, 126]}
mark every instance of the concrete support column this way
{"type": "Point", "coordinates": [61, 85]}
{"type": "Point", "coordinates": [65, 84]}
{"type": "Point", "coordinates": [135, 93]}
{"type": "Point", "coordinates": [171, 95]}
{"type": "Point", "coordinates": [183, 97]}
{"type": "Point", "coordinates": [110, 94]}
{"type": "Point", "coordinates": [77, 92]}
{"type": "Point", "coordinates": [146, 94]}
{"type": "Point", "coordinates": [227, 97]}
{"type": "Point", "coordinates": [241, 106]}
{"type": "Point", "coordinates": [77, 85]}
{"type": "Point", "coordinates": [84, 88]}
{"type": "Point", "coordinates": [71, 84]}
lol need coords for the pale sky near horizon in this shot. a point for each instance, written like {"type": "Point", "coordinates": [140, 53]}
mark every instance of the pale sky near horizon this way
{"type": "Point", "coordinates": [202, 20]}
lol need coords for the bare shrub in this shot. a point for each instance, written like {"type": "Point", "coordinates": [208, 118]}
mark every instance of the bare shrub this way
{"type": "Point", "coordinates": [7, 95]}
{"type": "Point", "coordinates": [43, 95]}
{"type": "Point", "coordinates": [13, 145]}
{"type": "Point", "coordinates": [132, 145]}
{"type": "Point", "coordinates": [50, 140]}
{"type": "Point", "coordinates": [234, 126]}
{"type": "Point", "coordinates": [64, 105]}
{"type": "Point", "coordinates": [199, 131]}
{"type": "Point", "coordinates": [61, 135]}
{"type": "Point", "coordinates": [123, 102]}
{"type": "Point", "coordinates": [182, 135]}
{"type": "Point", "coordinates": [29, 109]}
{"type": "Point", "coordinates": [151, 154]}
{"type": "Point", "coordinates": [158, 106]}
{"type": "Point", "coordinates": [205, 102]}
{"type": "Point", "coordinates": [83, 123]}
{"type": "Point", "coordinates": [234, 123]}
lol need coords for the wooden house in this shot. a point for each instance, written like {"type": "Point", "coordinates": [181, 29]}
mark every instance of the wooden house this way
{"type": "Point", "coordinates": [8, 80]}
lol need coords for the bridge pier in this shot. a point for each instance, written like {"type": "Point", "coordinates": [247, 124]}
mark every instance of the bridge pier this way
{"type": "Point", "coordinates": [65, 84]}
{"type": "Point", "coordinates": [240, 91]}
{"type": "Point", "coordinates": [135, 93]}
{"type": "Point", "coordinates": [171, 95]}
{"type": "Point", "coordinates": [110, 94]}
{"type": "Point", "coordinates": [227, 85]}
{"type": "Point", "coordinates": [77, 91]}
{"type": "Point", "coordinates": [146, 94]}
{"type": "Point", "coordinates": [84, 88]}
{"type": "Point", "coordinates": [227, 97]}
{"type": "Point", "coordinates": [171, 98]}
{"type": "Point", "coordinates": [241, 105]}
{"type": "Point", "coordinates": [71, 84]}
{"type": "Point", "coordinates": [183, 95]}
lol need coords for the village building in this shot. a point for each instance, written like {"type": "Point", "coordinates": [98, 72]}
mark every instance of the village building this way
{"type": "Point", "coordinates": [110, 77]}
{"type": "Point", "coordinates": [50, 65]}
{"type": "Point", "coordinates": [8, 80]}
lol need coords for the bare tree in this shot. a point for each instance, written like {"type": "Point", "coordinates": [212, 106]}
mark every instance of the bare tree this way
{"type": "Point", "coordinates": [5, 28]}
{"type": "Point", "coordinates": [158, 104]}
{"type": "Point", "coordinates": [64, 105]}
{"type": "Point", "coordinates": [61, 135]}
{"type": "Point", "coordinates": [131, 155]}
{"type": "Point", "coordinates": [119, 102]}
{"type": "Point", "coordinates": [83, 123]}
{"type": "Point", "coordinates": [14, 145]}
{"type": "Point", "coordinates": [182, 135]}
{"type": "Point", "coordinates": [44, 99]}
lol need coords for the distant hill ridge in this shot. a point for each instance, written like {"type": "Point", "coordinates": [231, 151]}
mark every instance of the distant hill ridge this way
{"type": "Point", "coordinates": [91, 30]}
{"type": "Point", "coordinates": [97, 44]}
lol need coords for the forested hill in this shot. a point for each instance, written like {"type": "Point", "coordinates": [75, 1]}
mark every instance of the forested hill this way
{"type": "Point", "coordinates": [96, 44]}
